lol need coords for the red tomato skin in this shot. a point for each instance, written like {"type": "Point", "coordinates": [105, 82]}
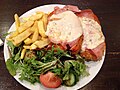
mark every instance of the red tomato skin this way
{"type": "Point", "coordinates": [49, 80]}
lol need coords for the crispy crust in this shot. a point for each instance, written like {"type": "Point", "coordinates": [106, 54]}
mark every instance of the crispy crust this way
{"type": "Point", "coordinates": [94, 54]}
{"type": "Point", "coordinates": [89, 55]}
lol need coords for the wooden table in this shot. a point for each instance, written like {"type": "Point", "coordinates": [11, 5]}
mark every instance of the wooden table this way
{"type": "Point", "coordinates": [108, 12]}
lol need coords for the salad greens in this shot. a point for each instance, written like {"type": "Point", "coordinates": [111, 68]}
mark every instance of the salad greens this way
{"type": "Point", "coordinates": [62, 63]}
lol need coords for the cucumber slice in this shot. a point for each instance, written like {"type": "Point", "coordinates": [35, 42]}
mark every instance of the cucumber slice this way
{"type": "Point", "coordinates": [71, 80]}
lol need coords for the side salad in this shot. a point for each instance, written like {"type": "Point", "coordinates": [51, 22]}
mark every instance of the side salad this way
{"type": "Point", "coordinates": [52, 67]}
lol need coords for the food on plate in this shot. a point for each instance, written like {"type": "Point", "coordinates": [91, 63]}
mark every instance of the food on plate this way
{"type": "Point", "coordinates": [25, 26]}
{"type": "Point", "coordinates": [51, 48]}
{"type": "Point", "coordinates": [50, 80]}
{"type": "Point", "coordinates": [17, 21]}
{"type": "Point", "coordinates": [64, 28]}
{"type": "Point", "coordinates": [23, 53]}
{"type": "Point", "coordinates": [30, 31]}
{"type": "Point", "coordinates": [41, 28]}
{"type": "Point", "coordinates": [93, 45]}
{"type": "Point", "coordinates": [22, 36]}
{"type": "Point", "coordinates": [82, 26]}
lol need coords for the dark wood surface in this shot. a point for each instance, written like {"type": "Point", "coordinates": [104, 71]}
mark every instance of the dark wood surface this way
{"type": "Point", "coordinates": [108, 11]}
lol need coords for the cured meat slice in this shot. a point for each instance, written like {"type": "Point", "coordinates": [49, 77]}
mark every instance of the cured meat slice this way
{"type": "Point", "coordinates": [80, 30]}
{"type": "Point", "coordinates": [94, 54]}
{"type": "Point", "coordinates": [65, 28]}
{"type": "Point", "coordinates": [72, 8]}
{"type": "Point", "coordinates": [94, 42]}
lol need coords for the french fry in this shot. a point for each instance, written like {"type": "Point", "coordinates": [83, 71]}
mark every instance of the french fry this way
{"type": "Point", "coordinates": [42, 43]}
{"type": "Point", "coordinates": [35, 26]}
{"type": "Point", "coordinates": [15, 43]}
{"type": "Point", "coordinates": [36, 33]}
{"type": "Point", "coordinates": [39, 12]}
{"type": "Point", "coordinates": [41, 28]}
{"type": "Point", "coordinates": [9, 39]}
{"type": "Point", "coordinates": [45, 20]}
{"type": "Point", "coordinates": [25, 26]}
{"type": "Point", "coordinates": [17, 21]}
{"type": "Point", "coordinates": [22, 23]}
{"type": "Point", "coordinates": [33, 46]}
{"type": "Point", "coordinates": [36, 17]}
{"type": "Point", "coordinates": [35, 36]}
{"type": "Point", "coordinates": [28, 41]}
{"type": "Point", "coordinates": [26, 47]}
{"type": "Point", "coordinates": [22, 36]}
{"type": "Point", "coordinates": [31, 31]}
{"type": "Point", "coordinates": [25, 19]}
{"type": "Point", "coordinates": [23, 53]}
{"type": "Point", "coordinates": [13, 34]}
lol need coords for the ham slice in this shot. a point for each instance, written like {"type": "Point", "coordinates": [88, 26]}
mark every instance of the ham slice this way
{"type": "Point", "coordinates": [58, 10]}
{"type": "Point", "coordinates": [76, 30]}
{"type": "Point", "coordinates": [94, 54]}
{"type": "Point", "coordinates": [99, 50]}
{"type": "Point", "coordinates": [65, 29]}
{"type": "Point", "coordinates": [72, 8]}
{"type": "Point", "coordinates": [93, 44]}
{"type": "Point", "coordinates": [88, 13]}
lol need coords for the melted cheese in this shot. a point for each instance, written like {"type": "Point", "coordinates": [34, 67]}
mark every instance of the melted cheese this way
{"type": "Point", "coordinates": [93, 35]}
{"type": "Point", "coordinates": [64, 27]}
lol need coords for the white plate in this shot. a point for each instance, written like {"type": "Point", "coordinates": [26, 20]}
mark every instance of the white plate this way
{"type": "Point", "coordinates": [94, 67]}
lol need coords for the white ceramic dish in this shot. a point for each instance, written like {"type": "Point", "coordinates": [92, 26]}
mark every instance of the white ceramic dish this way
{"type": "Point", "coordinates": [94, 67]}
{"type": "Point", "coordinates": [1, 42]}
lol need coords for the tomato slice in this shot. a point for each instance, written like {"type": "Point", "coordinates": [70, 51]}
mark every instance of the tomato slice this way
{"type": "Point", "coordinates": [50, 80]}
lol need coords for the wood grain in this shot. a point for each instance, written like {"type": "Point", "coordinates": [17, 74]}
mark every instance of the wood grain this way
{"type": "Point", "coordinates": [108, 11]}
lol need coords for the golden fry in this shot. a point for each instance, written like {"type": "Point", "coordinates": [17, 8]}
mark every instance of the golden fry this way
{"type": "Point", "coordinates": [35, 36]}
{"type": "Point", "coordinates": [31, 31]}
{"type": "Point", "coordinates": [13, 34]}
{"type": "Point", "coordinates": [45, 21]}
{"type": "Point", "coordinates": [17, 21]}
{"type": "Point", "coordinates": [41, 28]}
{"type": "Point", "coordinates": [22, 23]}
{"type": "Point", "coordinates": [21, 37]}
{"type": "Point", "coordinates": [35, 26]}
{"type": "Point", "coordinates": [25, 26]}
{"type": "Point", "coordinates": [9, 39]}
{"type": "Point", "coordinates": [23, 53]}
{"type": "Point", "coordinates": [42, 43]}
{"type": "Point", "coordinates": [28, 41]}
{"type": "Point", "coordinates": [26, 47]}
{"type": "Point", "coordinates": [33, 46]}
{"type": "Point", "coordinates": [36, 32]}
{"type": "Point", "coordinates": [25, 19]}
{"type": "Point", "coordinates": [39, 12]}
{"type": "Point", "coordinates": [36, 17]}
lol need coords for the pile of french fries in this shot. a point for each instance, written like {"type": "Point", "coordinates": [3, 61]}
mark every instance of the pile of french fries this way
{"type": "Point", "coordinates": [31, 31]}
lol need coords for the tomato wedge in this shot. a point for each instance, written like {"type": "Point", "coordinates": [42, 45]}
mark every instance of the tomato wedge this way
{"type": "Point", "coordinates": [50, 80]}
